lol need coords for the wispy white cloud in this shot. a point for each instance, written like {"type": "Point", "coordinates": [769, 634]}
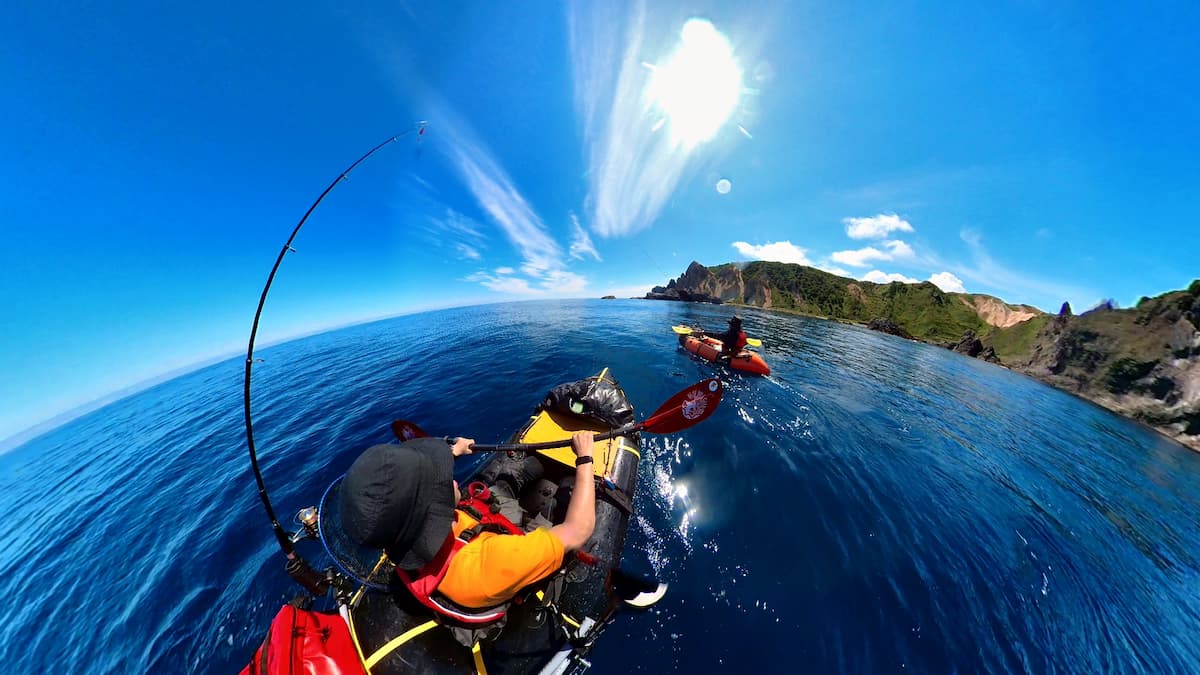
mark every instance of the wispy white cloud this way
{"type": "Point", "coordinates": [459, 232]}
{"type": "Point", "coordinates": [555, 283]}
{"type": "Point", "coordinates": [917, 187]}
{"type": "Point", "coordinates": [633, 166]}
{"type": "Point", "coordinates": [507, 285]}
{"type": "Point", "coordinates": [876, 227]}
{"type": "Point", "coordinates": [778, 251]}
{"type": "Point", "coordinates": [884, 278]}
{"type": "Point", "coordinates": [861, 257]}
{"type": "Point", "coordinates": [948, 282]}
{"type": "Point", "coordinates": [581, 243]}
{"type": "Point", "coordinates": [631, 290]}
{"type": "Point", "coordinates": [835, 270]}
{"type": "Point", "coordinates": [501, 200]}
{"type": "Point", "coordinates": [542, 259]}
{"type": "Point", "coordinates": [986, 271]}
{"type": "Point", "coordinates": [562, 282]}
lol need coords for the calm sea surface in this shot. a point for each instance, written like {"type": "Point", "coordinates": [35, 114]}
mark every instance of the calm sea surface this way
{"type": "Point", "coordinates": [876, 505]}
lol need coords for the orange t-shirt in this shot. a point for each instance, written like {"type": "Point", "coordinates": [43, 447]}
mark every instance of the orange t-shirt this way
{"type": "Point", "coordinates": [493, 567]}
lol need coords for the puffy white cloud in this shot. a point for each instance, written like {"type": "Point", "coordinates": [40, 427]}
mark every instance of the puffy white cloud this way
{"type": "Point", "coordinates": [876, 227]}
{"type": "Point", "coordinates": [948, 282]}
{"type": "Point", "coordinates": [779, 251]}
{"type": "Point", "coordinates": [863, 257]}
{"type": "Point", "coordinates": [899, 249]}
{"type": "Point", "coordinates": [504, 270]}
{"type": "Point", "coordinates": [882, 278]}
{"type": "Point", "coordinates": [860, 257]}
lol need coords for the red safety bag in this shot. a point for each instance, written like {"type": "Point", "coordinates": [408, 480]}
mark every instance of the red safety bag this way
{"type": "Point", "coordinates": [304, 642]}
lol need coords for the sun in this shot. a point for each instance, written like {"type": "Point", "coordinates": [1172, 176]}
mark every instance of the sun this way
{"type": "Point", "coordinates": [698, 87]}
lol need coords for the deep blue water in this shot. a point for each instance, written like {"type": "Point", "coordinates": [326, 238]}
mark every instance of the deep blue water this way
{"type": "Point", "coordinates": [876, 505]}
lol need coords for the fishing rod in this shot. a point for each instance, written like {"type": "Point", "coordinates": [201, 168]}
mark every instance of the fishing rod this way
{"type": "Point", "coordinates": [296, 567]}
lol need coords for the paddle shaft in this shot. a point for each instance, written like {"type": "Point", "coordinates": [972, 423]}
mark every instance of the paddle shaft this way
{"type": "Point", "coordinates": [685, 409]}
{"type": "Point", "coordinates": [684, 330]}
{"type": "Point", "coordinates": [549, 445]}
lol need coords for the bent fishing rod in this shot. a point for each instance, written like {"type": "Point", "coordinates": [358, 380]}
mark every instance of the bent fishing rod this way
{"type": "Point", "coordinates": [296, 567]}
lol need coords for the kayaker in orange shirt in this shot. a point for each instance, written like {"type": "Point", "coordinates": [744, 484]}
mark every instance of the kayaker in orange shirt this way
{"type": "Point", "coordinates": [403, 499]}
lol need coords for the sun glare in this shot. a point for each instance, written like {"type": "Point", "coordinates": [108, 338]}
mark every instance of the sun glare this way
{"type": "Point", "coordinates": [698, 87]}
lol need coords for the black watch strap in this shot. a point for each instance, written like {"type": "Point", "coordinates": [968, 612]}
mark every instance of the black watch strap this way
{"type": "Point", "coordinates": [580, 461]}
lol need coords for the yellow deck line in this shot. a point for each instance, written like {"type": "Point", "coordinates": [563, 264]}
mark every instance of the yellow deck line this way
{"type": "Point", "coordinates": [397, 642]}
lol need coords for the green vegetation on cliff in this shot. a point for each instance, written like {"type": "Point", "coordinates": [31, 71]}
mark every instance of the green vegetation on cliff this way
{"type": "Point", "coordinates": [923, 310]}
{"type": "Point", "coordinates": [1142, 362]}
{"type": "Point", "coordinates": [1013, 343]}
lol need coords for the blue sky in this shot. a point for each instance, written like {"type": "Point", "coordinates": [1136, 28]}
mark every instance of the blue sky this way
{"type": "Point", "coordinates": [155, 158]}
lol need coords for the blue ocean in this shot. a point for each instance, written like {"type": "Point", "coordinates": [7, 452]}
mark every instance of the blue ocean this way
{"type": "Point", "coordinates": [875, 505]}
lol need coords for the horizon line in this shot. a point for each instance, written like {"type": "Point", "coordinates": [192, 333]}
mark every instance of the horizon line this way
{"type": "Point", "coordinates": [36, 430]}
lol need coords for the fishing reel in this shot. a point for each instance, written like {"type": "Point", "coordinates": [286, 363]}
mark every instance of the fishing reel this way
{"type": "Point", "coordinates": [307, 518]}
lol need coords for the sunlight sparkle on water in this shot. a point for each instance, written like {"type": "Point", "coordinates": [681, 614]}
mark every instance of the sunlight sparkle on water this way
{"type": "Point", "coordinates": [698, 87]}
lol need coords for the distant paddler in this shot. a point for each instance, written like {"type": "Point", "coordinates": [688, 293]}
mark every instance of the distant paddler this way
{"type": "Point", "coordinates": [733, 339]}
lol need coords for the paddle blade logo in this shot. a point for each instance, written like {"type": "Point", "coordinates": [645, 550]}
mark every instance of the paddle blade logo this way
{"type": "Point", "coordinates": [694, 405]}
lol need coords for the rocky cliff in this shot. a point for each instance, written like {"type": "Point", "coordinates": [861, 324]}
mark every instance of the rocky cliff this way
{"type": "Point", "coordinates": [1142, 362]}
{"type": "Point", "coordinates": [922, 310]}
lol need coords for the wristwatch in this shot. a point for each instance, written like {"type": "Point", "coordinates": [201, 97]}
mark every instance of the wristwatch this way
{"type": "Point", "coordinates": [580, 461]}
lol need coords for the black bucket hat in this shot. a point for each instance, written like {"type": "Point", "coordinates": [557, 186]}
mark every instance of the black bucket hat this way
{"type": "Point", "coordinates": [400, 498]}
{"type": "Point", "coordinates": [735, 320]}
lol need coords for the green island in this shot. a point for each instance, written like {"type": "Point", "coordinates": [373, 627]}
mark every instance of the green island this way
{"type": "Point", "coordinates": [1142, 362]}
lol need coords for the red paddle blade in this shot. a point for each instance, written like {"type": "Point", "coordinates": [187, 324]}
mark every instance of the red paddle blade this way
{"type": "Point", "coordinates": [406, 430]}
{"type": "Point", "coordinates": [685, 409]}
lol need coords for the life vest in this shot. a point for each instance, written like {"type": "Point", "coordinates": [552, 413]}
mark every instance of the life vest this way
{"type": "Point", "coordinates": [739, 343]}
{"type": "Point", "coordinates": [480, 505]}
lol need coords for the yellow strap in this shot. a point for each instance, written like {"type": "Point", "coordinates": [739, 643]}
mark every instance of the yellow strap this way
{"type": "Point", "coordinates": [396, 642]}
{"type": "Point", "coordinates": [477, 654]}
{"type": "Point", "coordinates": [354, 638]}
{"type": "Point", "coordinates": [600, 377]}
{"type": "Point", "coordinates": [542, 598]}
